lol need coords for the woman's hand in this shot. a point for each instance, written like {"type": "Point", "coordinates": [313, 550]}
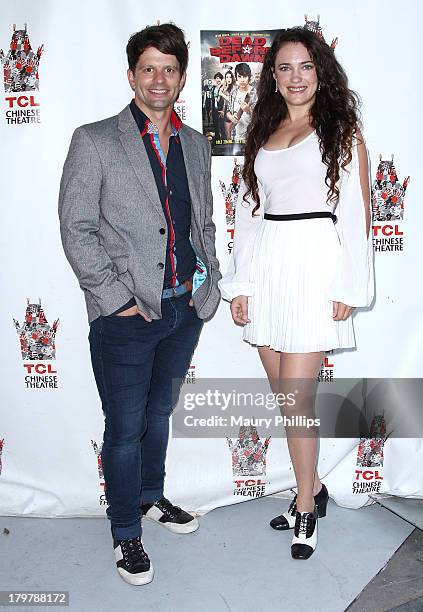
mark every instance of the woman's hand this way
{"type": "Point", "coordinates": [341, 311]}
{"type": "Point", "coordinates": [239, 310]}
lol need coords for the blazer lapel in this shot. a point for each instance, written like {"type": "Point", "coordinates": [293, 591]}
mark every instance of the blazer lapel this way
{"type": "Point", "coordinates": [135, 150]}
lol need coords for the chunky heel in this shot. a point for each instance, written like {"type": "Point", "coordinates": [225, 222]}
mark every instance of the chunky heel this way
{"type": "Point", "coordinates": [321, 501]}
{"type": "Point", "coordinates": [321, 510]}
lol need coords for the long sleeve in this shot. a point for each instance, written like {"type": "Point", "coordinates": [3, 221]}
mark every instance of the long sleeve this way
{"type": "Point", "coordinates": [236, 281]}
{"type": "Point", "coordinates": [353, 283]}
{"type": "Point", "coordinates": [209, 233]}
{"type": "Point", "coordinates": [79, 213]}
{"type": "Point", "coordinates": [209, 226]}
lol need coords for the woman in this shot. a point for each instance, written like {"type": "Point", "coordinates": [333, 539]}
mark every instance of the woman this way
{"type": "Point", "coordinates": [225, 94]}
{"type": "Point", "coordinates": [294, 276]}
{"type": "Point", "coordinates": [220, 104]}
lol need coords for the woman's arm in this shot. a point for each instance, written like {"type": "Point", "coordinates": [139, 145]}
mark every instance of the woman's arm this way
{"type": "Point", "coordinates": [363, 163]}
{"type": "Point", "coordinates": [236, 281]}
{"type": "Point", "coordinates": [353, 282]}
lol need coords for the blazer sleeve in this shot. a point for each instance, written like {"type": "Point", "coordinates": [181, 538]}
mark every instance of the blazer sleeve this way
{"type": "Point", "coordinates": [79, 214]}
{"type": "Point", "coordinates": [237, 280]}
{"type": "Point", "coordinates": [209, 226]}
{"type": "Point", "coordinates": [353, 282]}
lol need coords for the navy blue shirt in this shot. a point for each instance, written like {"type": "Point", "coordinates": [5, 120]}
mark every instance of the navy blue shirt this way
{"type": "Point", "coordinates": [172, 184]}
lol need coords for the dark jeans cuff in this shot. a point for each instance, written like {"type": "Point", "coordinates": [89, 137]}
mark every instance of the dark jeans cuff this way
{"type": "Point", "coordinates": [127, 533]}
{"type": "Point", "coordinates": [149, 497]}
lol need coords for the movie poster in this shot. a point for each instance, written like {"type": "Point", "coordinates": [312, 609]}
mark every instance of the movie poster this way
{"type": "Point", "coordinates": [231, 65]}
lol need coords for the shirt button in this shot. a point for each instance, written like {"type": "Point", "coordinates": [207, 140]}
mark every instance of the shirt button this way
{"type": "Point", "coordinates": [160, 266]}
{"type": "Point", "coordinates": [162, 230]}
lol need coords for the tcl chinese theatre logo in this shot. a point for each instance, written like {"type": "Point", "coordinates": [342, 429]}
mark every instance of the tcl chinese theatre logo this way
{"type": "Point", "coordinates": [314, 26]}
{"type": "Point", "coordinates": [388, 196]}
{"type": "Point", "coordinates": [249, 462]}
{"type": "Point", "coordinates": [180, 108]}
{"type": "Point", "coordinates": [368, 473]}
{"type": "Point", "coordinates": [327, 369]}
{"type": "Point", "coordinates": [21, 74]}
{"type": "Point", "coordinates": [37, 341]}
{"type": "Point", "coordinates": [230, 196]}
{"type": "Point", "coordinates": [97, 449]}
{"type": "Point", "coordinates": [1, 452]}
{"type": "Point", "coordinates": [191, 374]}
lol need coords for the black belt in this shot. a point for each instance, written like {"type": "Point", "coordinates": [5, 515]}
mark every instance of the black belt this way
{"type": "Point", "coordinates": [295, 216]}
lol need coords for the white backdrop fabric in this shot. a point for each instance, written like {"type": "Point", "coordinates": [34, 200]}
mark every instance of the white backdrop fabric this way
{"type": "Point", "coordinates": [48, 436]}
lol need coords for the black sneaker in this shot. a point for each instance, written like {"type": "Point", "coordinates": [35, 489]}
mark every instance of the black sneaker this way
{"type": "Point", "coordinates": [132, 561]}
{"type": "Point", "coordinates": [172, 517]}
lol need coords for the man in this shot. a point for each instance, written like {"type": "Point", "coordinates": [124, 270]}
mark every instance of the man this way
{"type": "Point", "coordinates": [217, 105]}
{"type": "Point", "coordinates": [207, 102]}
{"type": "Point", "coordinates": [135, 209]}
{"type": "Point", "coordinates": [243, 100]}
{"type": "Point", "coordinates": [256, 79]}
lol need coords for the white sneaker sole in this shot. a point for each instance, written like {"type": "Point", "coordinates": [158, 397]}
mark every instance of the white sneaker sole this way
{"type": "Point", "coordinates": [176, 527]}
{"type": "Point", "coordinates": [137, 579]}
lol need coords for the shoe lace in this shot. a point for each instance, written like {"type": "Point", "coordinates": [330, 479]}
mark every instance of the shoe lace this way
{"type": "Point", "coordinates": [133, 551]}
{"type": "Point", "coordinates": [304, 522]}
{"type": "Point", "coordinates": [167, 508]}
{"type": "Point", "coordinates": [293, 507]}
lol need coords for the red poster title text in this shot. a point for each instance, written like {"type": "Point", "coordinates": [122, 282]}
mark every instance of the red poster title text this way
{"type": "Point", "coordinates": [240, 49]}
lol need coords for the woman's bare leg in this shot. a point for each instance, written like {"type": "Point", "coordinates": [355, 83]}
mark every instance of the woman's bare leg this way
{"type": "Point", "coordinates": [271, 363]}
{"type": "Point", "coordinates": [303, 451]}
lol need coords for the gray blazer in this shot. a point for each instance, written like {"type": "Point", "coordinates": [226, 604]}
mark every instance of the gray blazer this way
{"type": "Point", "coordinates": [110, 216]}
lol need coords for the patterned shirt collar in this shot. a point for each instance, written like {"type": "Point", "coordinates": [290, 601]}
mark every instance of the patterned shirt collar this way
{"type": "Point", "coordinates": [146, 126]}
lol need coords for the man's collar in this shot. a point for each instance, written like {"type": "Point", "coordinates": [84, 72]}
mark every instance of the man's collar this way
{"type": "Point", "coordinates": [145, 125]}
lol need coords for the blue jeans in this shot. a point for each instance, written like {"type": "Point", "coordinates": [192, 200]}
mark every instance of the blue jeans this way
{"type": "Point", "coordinates": [135, 364]}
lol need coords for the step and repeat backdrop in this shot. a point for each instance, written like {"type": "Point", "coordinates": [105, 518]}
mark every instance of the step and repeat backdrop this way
{"type": "Point", "coordinates": [63, 65]}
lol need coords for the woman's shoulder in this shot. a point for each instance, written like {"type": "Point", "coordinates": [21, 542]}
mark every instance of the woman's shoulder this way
{"type": "Point", "coordinates": [360, 144]}
{"type": "Point", "coordinates": [358, 138]}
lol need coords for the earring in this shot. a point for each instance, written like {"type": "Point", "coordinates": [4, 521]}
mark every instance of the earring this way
{"type": "Point", "coordinates": [276, 87]}
{"type": "Point", "coordinates": [318, 87]}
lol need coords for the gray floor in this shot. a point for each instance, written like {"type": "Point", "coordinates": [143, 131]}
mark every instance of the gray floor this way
{"type": "Point", "coordinates": [409, 509]}
{"type": "Point", "coordinates": [399, 586]}
{"type": "Point", "coordinates": [233, 562]}
{"type": "Point", "coordinates": [412, 606]}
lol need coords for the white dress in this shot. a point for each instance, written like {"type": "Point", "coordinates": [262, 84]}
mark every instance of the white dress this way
{"type": "Point", "coordinates": [293, 270]}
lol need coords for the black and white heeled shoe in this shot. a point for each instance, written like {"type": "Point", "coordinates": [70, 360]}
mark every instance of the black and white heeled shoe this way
{"type": "Point", "coordinates": [304, 540]}
{"type": "Point", "coordinates": [287, 519]}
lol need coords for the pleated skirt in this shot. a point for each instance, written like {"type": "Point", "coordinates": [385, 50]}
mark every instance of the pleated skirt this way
{"type": "Point", "coordinates": [293, 264]}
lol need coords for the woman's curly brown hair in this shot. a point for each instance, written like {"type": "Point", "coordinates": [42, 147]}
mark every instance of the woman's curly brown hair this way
{"type": "Point", "coordinates": [334, 114]}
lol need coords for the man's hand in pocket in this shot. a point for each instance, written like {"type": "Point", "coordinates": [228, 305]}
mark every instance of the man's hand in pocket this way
{"type": "Point", "coordinates": [132, 311]}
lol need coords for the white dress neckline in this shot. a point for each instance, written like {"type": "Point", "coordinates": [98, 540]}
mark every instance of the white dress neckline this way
{"type": "Point", "coordinates": [297, 144]}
